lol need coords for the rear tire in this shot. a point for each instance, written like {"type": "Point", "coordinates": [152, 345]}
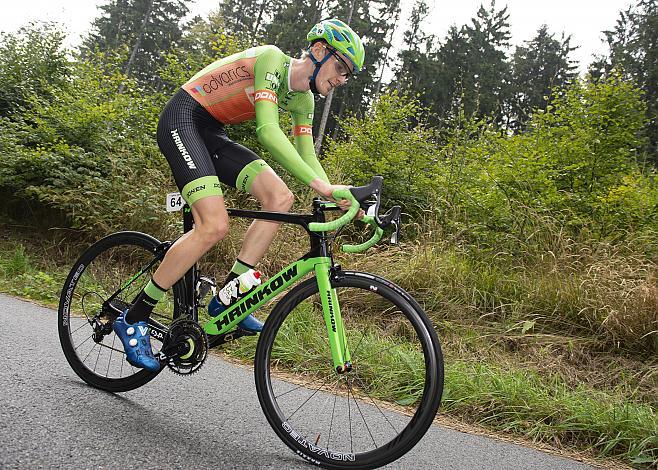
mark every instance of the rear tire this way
{"type": "Point", "coordinates": [103, 268]}
{"type": "Point", "coordinates": [365, 418]}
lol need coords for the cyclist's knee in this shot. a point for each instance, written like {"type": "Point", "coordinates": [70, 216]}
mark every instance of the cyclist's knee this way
{"type": "Point", "coordinates": [272, 192]}
{"type": "Point", "coordinates": [280, 200]}
{"type": "Point", "coordinates": [210, 220]}
{"type": "Point", "coordinates": [211, 232]}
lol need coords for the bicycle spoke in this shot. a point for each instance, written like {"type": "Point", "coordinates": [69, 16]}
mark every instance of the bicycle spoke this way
{"type": "Point", "coordinates": [377, 406]}
{"type": "Point", "coordinates": [356, 350]}
{"type": "Point", "coordinates": [304, 385]}
{"type": "Point", "coordinates": [83, 342]}
{"type": "Point", "coordinates": [364, 419]}
{"type": "Point", "coordinates": [80, 327]}
{"type": "Point", "coordinates": [306, 401]}
{"type": "Point", "coordinates": [97, 357]}
{"type": "Point", "coordinates": [331, 425]}
{"type": "Point", "coordinates": [109, 361]}
{"type": "Point", "coordinates": [380, 351]}
{"type": "Point", "coordinates": [92, 348]}
{"type": "Point", "coordinates": [111, 348]}
{"type": "Point", "coordinates": [349, 415]}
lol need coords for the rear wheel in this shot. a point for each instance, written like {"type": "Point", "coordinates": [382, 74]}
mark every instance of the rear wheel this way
{"type": "Point", "coordinates": [371, 415]}
{"type": "Point", "coordinates": [121, 261]}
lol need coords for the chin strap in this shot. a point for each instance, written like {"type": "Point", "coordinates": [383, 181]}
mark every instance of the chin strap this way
{"type": "Point", "coordinates": [318, 64]}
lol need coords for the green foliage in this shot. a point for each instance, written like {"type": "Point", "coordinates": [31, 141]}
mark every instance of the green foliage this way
{"type": "Point", "coordinates": [384, 143]}
{"type": "Point", "coordinates": [547, 410]}
{"type": "Point", "coordinates": [32, 63]}
{"type": "Point", "coordinates": [83, 149]}
{"type": "Point", "coordinates": [633, 50]}
{"type": "Point", "coordinates": [141, 30]}
{"type": "Point", "coordinates": [577, 165]}
{"type": "Point", "coordinates": [539, 67]}
{"type": "Point", "coordinates": [16, 264]}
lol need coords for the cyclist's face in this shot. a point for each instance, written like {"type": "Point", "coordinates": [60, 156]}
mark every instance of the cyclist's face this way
{"type": "Point", "coordinates": [334, 73]}
{"type": "Point", "coordinates": [342, 68]}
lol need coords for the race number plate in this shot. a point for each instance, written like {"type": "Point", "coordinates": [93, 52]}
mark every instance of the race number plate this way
{"type": "Point", "coordinates": [174, 202]}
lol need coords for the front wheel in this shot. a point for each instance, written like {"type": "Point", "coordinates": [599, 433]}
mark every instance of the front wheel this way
{"type": "Point", "coordinates": [371, 415]}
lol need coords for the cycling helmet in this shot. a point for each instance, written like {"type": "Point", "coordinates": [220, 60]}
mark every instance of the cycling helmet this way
{"type": "Point", "coordinates": [339, 37]}
{"type": "Point", "coordinates": [342, 38]}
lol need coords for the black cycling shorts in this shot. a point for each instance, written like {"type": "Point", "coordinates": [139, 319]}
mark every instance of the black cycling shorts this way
{"type": "Point", "coordinates": [200, 153]}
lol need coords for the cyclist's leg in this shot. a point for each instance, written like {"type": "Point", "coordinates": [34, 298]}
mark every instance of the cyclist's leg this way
{"type": "Point", "coordinates": [181, 139]}
{"type": "Point", "coordinates": [273, 195]}
{"type": "Point", "coordinates": [210, 226]}
{"type": "Point", "coordinates": [181, 142]}
{"type": "Point", "coordinates": [241, 168]}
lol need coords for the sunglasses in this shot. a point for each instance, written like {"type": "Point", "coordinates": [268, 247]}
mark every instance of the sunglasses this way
{"type": "Point", "coordinates": [341, 66]}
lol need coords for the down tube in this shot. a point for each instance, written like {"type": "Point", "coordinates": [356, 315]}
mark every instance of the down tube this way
{"type": "Point", "coordinates": [332, 317]}
{"type": "Point", "coordinates": [229, 318]}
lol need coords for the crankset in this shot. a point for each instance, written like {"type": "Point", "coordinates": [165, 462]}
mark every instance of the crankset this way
{"type": "Point", "coordinates": [185, 347]}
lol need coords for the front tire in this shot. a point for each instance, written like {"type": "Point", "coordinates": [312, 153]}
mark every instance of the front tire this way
{"type": "Point", "coordinates": [370, 416]}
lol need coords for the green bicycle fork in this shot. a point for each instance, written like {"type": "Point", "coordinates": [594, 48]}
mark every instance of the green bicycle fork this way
{"type": "Point", "coordinates": [333, 319]}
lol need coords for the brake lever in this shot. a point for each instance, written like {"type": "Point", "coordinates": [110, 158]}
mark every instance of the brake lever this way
{"type": "Point", "coordinates": [395, 236]}
{"type": "Point", "coordinates": [392, 214]}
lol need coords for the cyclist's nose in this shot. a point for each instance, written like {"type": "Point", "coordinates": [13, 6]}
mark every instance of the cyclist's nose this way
{"type": "Point", "coordinates": [342, 80]}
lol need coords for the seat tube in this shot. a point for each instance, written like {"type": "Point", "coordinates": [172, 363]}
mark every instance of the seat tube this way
{"type": "Point", "coordinates": [332, 317]}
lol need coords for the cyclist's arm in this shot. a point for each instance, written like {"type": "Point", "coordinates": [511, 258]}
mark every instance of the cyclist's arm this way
{"type": "Point", "coordinates": [267, 118]}
{"type": "Point", "coordinates": [303, 132]}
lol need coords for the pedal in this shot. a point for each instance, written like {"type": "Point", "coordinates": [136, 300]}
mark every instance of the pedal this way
{"type": "Point", "coordinates": [203, 286]}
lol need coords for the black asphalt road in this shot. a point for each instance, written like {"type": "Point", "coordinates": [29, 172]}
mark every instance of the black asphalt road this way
{"type": "Point", "coordinates": [49, 418]}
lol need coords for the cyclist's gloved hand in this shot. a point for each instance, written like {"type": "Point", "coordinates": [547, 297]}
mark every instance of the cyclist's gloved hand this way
{"type": "Point", "coordinates": [327, 190]}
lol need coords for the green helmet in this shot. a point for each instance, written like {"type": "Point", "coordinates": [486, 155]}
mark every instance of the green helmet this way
{"type": "Point", "coordinates": [342, 38]}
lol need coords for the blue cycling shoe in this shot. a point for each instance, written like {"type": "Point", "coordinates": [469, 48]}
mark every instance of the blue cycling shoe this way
{"type": "Point", "coordinates": [136, 343]}
{"type": "Point", "coordinates": [251, 323]}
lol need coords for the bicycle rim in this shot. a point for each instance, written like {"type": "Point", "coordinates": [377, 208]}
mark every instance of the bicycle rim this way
{"type": "Point", "coordinates": [371, 415]}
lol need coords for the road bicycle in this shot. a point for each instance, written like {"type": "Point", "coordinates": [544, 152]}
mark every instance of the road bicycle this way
{"type": "Point", "coordinates": [348, 368]}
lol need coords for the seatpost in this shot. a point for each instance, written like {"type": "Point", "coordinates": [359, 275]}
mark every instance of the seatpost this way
{"type": "Point", "coordinates": [192, 274]}
{"type": "Point", "coordinates": [188, 220]}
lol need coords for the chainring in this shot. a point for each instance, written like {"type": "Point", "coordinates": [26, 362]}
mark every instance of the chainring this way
{"type": "Point", "coordinates": [193, 342]}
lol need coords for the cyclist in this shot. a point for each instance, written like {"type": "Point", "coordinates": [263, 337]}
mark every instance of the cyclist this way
{"type": "Point", "coordinates": [252, 84]}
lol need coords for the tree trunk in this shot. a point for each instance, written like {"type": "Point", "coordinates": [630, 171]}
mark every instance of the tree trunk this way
{"type": "Point", "coordinates": [388, 50]}
{"type": "Point", "coordinates": [330, 97]}
{"type": "Point", "coordinates": [258, 20]}
{"type": "Point", "coordinates": [138, 42]}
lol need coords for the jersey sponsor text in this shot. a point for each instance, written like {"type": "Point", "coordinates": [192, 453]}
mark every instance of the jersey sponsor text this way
{"type": "Point", "coordinates": [265, 95]}
{"type": "Point", "coordinates": [303, 130]}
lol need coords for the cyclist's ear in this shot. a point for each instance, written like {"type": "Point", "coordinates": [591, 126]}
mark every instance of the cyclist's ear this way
{"type": "Point", "coordinates": [319, 49]}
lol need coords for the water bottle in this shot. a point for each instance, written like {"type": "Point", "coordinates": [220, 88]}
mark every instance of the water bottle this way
{"type": "Point", "coordinates": [233, 291]}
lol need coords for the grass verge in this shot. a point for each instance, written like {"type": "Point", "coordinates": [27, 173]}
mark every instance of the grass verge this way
{"type": "Point", "coordinates": [537, 384]}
